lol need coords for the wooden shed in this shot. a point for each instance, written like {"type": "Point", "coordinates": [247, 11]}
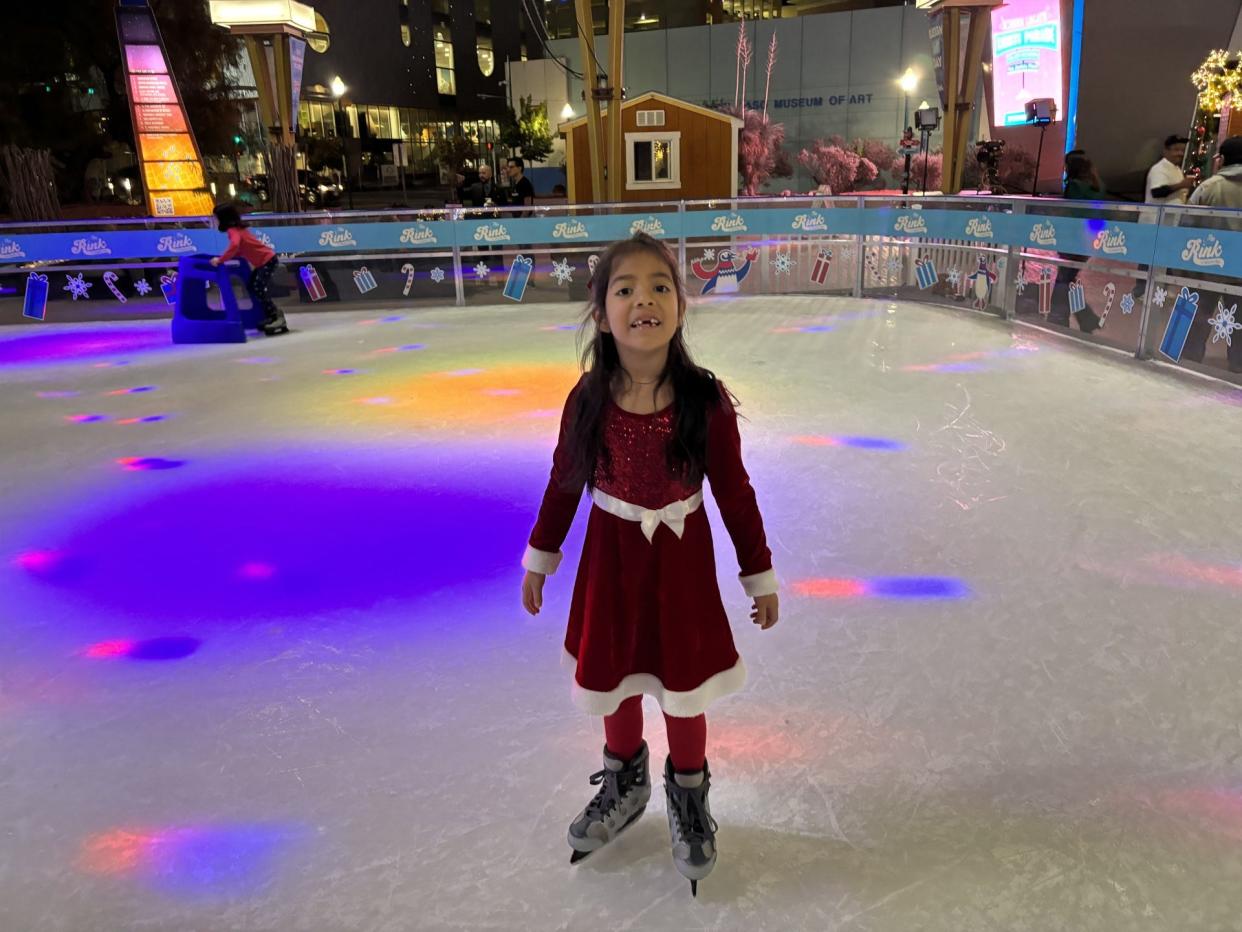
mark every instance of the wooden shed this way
{"type": "Point", "coordinates": [673, 150]}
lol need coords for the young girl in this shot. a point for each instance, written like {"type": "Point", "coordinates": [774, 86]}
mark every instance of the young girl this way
{"type": "Point", "coordinates": [263, 263]}
{"type": "Point", "coordinates": [642, 429]}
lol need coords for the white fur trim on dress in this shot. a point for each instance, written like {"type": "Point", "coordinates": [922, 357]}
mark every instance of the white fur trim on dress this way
{"type": "Point", "coordinates": [760, 583]}
{"type": "Point", "coordinates": [540, 561]}
{"type": "Point", "coordinates": [686, 704]}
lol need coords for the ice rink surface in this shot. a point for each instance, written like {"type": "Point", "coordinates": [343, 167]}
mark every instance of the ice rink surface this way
{"type": "Point", "coordinates": [263, 664]}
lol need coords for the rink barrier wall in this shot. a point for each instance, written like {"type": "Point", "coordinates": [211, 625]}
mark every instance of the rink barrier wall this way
{"type": "Point", "coordinates": [915, 249]}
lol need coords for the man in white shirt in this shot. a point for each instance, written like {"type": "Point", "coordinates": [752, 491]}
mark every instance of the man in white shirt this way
{"type": "Point", "coordinates": [1165, 182]}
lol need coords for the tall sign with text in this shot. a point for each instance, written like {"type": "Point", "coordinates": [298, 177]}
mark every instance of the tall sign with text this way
{"type": "Point", "coordinates": [1027, 58]}
{"type": "Point", "coordinates": [172, 168]}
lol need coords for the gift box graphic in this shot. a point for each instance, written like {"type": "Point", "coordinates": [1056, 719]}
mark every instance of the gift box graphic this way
{"type": "Point", "coordinates": [1045, 290]}
{"type": "Point", "coordinates": [310, 280]}
{"type": "Point", "coordinates": [1077, 297]}
{"type": "Point", "coordinates": [1178, 327]}
{"type": "Point", "coordinates": [168, 285]}
{"type": "Point", "coordinates": [819, 271]}
{"type": "Point", "coordinates": [519, 276]}
{"type": "Point", "coordinates": [35, 304]}
{"type": "Point", "coordinates": [925, 272]}
{"type": "Point", "coordinates": [364, 280]}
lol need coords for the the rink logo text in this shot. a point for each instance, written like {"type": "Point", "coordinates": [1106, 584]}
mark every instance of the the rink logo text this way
{"type": "Point", "coordinates": [979, 227]}
{"type": "Point", "coordinates": [176, 242]}
{"type": "Point", "coordinates": [651, 226]}
{"type": "Point", "coordinates": [811, 223]}
{"type": "Point", "coordinates": [729, 223]}
{"type": "Point", "coordinates": [263, 238]}
{"type": "Point", "coordinates": [421, 235]}
{"type": "Point", "coordinates": [336, 238]}
{"type": "Point", "coordinates": [1205, 253]}
{"type": "Point", "coordinates": [910, 223]}
{"type": "Point", "coordinates": [491, 233]}
{"type": "Point", "coordinates": [11, 249]}
{"type": "Point", "coordinates": [91, 246]}
{"type": "Point", "coordinates": [1111, 242]}
{"type": "Point", "coordinates": [570, 229]}
{"type": "Point", "coordinates": [1044, 234]}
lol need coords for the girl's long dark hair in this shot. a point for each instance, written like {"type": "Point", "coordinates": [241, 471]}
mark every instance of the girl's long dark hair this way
{"type": "Point", "coordinates": [695, 390]}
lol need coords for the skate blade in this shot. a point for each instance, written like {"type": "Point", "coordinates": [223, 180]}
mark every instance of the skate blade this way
{"type": "Point", "coordinates": [579, 855]}
{"type": "Point", "coordinates": [694, 888]}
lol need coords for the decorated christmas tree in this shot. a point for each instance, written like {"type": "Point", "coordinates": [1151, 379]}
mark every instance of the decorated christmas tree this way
{"type": "Point", "coordinates": [1218, 81]}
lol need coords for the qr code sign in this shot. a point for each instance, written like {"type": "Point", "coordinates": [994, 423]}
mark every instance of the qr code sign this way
{"type": "Point", "coordinates": [163, 207]}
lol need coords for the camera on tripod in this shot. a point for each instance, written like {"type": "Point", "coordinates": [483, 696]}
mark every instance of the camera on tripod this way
{"type": "Point", "coordinates": [988, 152]}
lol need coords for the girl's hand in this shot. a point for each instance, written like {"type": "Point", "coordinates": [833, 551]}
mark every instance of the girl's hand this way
{"type": "Point", "coordinates": [215, 260]}
{"type": "Point", "coordinates": [532, 592]}
{"type": "Point", "coordinates": [765, 611]}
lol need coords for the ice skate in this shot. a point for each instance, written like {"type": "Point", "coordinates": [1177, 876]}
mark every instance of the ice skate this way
{"type": "Point", "coordinates": [624, 789]}
{"type": "Point", "coordinates": [691, 827]}
{"type": "Point", "coordinates": [274, 325]}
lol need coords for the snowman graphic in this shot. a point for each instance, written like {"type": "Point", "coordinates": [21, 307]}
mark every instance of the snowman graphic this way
{"type": "Point", "coordinates": [726, 273]}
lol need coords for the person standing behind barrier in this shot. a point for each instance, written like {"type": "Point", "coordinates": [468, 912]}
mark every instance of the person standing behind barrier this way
{"type": "Point", "coordinates": [1224, 189]}
{"type": "Point", "coordinates": [263, 264]}
{"type": "Point", "coordinates": [1166, 184]}
{"type": "Point", "coordinates": [521, 191]}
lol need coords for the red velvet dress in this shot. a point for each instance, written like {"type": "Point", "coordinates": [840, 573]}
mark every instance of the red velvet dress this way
{"type": "Point", "coordinates": [646, 616]}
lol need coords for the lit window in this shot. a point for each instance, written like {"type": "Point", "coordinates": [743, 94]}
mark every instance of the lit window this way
{"type": "Point", "coordinates": [403, 14]}
{"type": "Point", "coordinates": [446, 81]}
{"type": "Point", "coordinates": [487, 58]}
{"type": "Point", "coordinates": [653, 160]}
{"type": "Point", "coordinates": [405, 34]}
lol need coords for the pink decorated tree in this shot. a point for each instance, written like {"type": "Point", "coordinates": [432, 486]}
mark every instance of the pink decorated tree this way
{"type": "Point", "coordinates": [935, 168]}
{"type": "Point", "coordinates": [760, 155]}
{"type": "Point", "coordinates": [834, 164]}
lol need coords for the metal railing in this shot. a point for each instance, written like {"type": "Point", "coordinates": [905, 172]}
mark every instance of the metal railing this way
{"type": "Point", "coordinates": [1160, 282]}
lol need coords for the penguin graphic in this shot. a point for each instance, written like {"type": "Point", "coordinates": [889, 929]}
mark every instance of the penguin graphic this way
{"type": "Point", "coordinates": [724, 276]}
{"type": "Point", "coordinates": [981, 282]}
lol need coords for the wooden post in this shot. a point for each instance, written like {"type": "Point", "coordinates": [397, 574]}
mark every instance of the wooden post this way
{"type": "Point", "coordinates": [961, 78]}
{"type": "Point", "coordinates": [616, 76]}
{"type": "Point", "coordinates": [980, 23]}
{"type": "Point", "coordinates": [595, 128]}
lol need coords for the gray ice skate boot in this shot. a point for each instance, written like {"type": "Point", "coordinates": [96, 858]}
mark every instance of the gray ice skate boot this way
{"type": "Point", "coordinates": [624, 789]}
{"type": "Point", "coordinates": [691, 827]}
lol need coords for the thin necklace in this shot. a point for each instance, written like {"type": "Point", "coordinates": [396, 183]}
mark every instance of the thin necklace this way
{"type": "Point", "coordinates": [637, 382]}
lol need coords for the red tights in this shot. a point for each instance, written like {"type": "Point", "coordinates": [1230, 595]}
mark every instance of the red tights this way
{"type": "Point", "coordinates": [687, 737]}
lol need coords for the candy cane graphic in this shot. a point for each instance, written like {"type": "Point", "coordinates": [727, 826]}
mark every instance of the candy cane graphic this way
{"type": "Point", "coordinates": [409, 278]}
{"type": "Point", "coordinates": [109, 279]}
{"type": "Point", "coordinates": [1045, 290]}
{"type": "Point", "coordinates": [1110, 294]}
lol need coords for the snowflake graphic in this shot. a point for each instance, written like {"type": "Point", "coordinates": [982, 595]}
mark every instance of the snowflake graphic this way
{"type": "Point", "coordinates": [893, 265]}
{"type": "Point", "coordinates": [1127, 303]}
{"type": "Point", "coordinates": [562, 271]}
{"type": "Point", "coordinates": [1020, 287]}
{"type": "Point", "coordinates": [847, 253]}
{"type": "Point", "coordinates": [1159, 296]}
{"type": "Point", "coordinates": [437, 274]}
{"type": "Point", "coordinates": [954, 277]}
{"type": "Point", "coordinates": [481, 271]}
{"type": "Point", "coordinates": [1223, 324]}
{"type": "Point", "coordinates": [78, 286]}
{"type": "Point", "coordinates": [709, 255]}
{"type": "Point", "coordinates": [783, 263]}
{"type": "Point", "coordinates": [142, 286]}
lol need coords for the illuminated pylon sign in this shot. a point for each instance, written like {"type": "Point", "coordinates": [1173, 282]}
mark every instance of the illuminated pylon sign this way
{"type": "Point", "coordinates": [172, 169]}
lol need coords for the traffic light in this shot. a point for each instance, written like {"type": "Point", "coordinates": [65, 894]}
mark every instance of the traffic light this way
{"type": "Point", "coordinates": [489, 147]}
{"type": "Point", "coordinates": [237, 139]}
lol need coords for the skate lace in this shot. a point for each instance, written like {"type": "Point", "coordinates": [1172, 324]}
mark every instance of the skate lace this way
{"type": "Point", "coordinates": [694, 822]}
{"type": "Point", "coordinates": [609, 794]}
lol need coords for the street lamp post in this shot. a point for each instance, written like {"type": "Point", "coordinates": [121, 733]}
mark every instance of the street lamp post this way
{"type": "Point", "coordinates": [907, 82]}
{"type": "Point", "coordinates": [338, 91]}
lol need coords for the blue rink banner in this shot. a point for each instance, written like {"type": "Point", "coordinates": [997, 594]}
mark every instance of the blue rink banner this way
{"type": "Point", "coordinates": [1213, 251]}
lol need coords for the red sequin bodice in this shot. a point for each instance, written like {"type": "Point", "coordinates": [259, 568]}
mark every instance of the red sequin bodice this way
{"type": "Point", "coordinates": [636, 469]}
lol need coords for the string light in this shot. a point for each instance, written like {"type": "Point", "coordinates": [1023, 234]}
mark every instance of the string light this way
{"type": "Point", "coordinates": [1218, 77]}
